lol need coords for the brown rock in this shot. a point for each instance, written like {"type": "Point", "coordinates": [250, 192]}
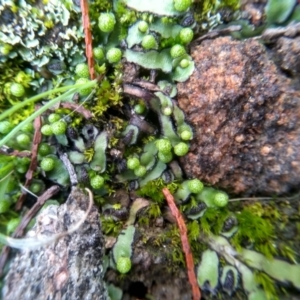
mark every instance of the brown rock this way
{"type": "Point", "coordinates": [288, 51]}
{"type": "Point", "coordinates": [245, 115]}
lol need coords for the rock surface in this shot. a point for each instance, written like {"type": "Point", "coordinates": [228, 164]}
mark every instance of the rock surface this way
{"type": "Point", "coordinates": [70, 268]}
{"type": "Point", "coordinates": [245, 114]}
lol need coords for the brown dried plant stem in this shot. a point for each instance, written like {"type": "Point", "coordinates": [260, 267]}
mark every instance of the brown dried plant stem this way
{"type": "Point", "coordinates": [185, 244]}
{"type": "Point", "coordinates": [87, 37]}
{"type": "Point", "coordinates": [78, 108]}
{"type": "Point", "coordinates": [33, 163]}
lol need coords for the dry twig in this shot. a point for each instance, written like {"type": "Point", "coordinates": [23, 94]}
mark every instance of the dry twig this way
{"type": "Point", "coordinates": [78, 108]}
{"type": "Point", "coordinates": [87, 37]}
{"type": "Point", "coordinates": [33, 163]}
{"type": "Point", "coordinates": [185, 244]}
{"type": "Point", "coordinates": [11, 152]}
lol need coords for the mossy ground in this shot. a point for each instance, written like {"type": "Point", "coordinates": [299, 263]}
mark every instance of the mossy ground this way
{"type": "Point", "coordinates": [270, 227]}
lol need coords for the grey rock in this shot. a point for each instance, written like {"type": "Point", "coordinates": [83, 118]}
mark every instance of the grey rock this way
{"type": "Point", "coordinates": [70, 268]}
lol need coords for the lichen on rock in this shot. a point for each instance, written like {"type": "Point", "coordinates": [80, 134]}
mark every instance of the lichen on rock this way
{"type": "Point", "coordinates": [245, 114]}
{"type": "Point", "coordinates": [71, 268]}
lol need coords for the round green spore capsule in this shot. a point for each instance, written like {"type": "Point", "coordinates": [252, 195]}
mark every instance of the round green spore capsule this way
{"type": "Point", "coordinates": [47, 164]}
{"type": "Point", "coordinates": [149, 42]}
{"type": "Point", "coordinates": [97, 182]}
{"type": "Point", "coordinates": [23, 139]}
{"type": "Point", "coordinates": [44, 149]}
{"type": "Point", "coordinates": [182, 5]}
{"type": "Point", "coordinates": [28, 128]}
{"type": "Point", "coordinates": [164, 146]}
{"type": "Point", "coordinates": [181, 149]}
{"type": "Point", "coordinates": [82, 70]}
{"type": "Point", "coordinates": [106, 22]}
{"type": "Point", "coordinates": [143, 26]}
{"type": "Point", "coordinates": [24, 161]}
{"type": "Point", "coordinates": [184, 63]}
{"type": "Point", "coordinates": [59, 127]}
{"type": "Point", "coordinates": [195, 186]}
{"type": "Point", "coordinates": [123, 265]}
{"type": "Point", "coordinates": [35, 187]}
{"type": "Point", "coordinates": [22, 169]}
{"type": "Point", "coordinates": [98, 53]}
{"type": "Point", "coordinates": [139, 109]}
{"type": "Point", "coordinates": [165, 158]}
{"type": "Point", "coordinates": [114, 55]}
{"type": "Point", "coordinates": [140, 171]}
{"type": "Point", "coordinates": [83, 92]}
{"type": "Point", "coordinates": [177, 51]}
{"type": "Point", "coordinates": [5, 127]}
{"type": "Point", "coordinates": [133, 163]}
{"type": "Point", "coordinates": [17, 90]}
{"type": "Point", "coordinates": [186, 135]}
{"type": "Point", "coordinates": [53, 118]}
{"type": "Point", "coordinates": [186, 35]}
{"type": "Point", "coordinates": [221, 199]}
{"type": "Point", "coordinates": [46, 130]}
{"type": "Point", "coordinates": [167, 111]}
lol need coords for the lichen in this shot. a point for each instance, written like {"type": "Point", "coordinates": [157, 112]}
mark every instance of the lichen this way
{"type": "Point", "coordinates": [36, 34]}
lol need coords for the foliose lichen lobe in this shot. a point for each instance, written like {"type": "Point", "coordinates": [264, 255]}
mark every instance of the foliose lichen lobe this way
{"type": "Point", "coordinates": [38, 33]}
{"type": "Point", "coordinates": [246, 119]}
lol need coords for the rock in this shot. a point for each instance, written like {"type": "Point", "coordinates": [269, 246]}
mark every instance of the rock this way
{"type": "Point", "coordinates": [70, 268]}
{"type": "Point", "coordinates": [288, 55]}
{"type": "Point", "coordinates": [245, 114]}
{"type": "Point", "coordinates": [254, 10]}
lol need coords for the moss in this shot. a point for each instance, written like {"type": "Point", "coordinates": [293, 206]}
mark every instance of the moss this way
{"type": "Point", "coordinates": [288, 252]}
{"type": "Point", "coordinates": [110, 226]}
{"type": "Point", "coordinates": [255, 221]}
{"type": "Point", "coordinates": [89, 153]}
{"type": "Point", "coordinates": [255, 229]}
{"type": "Point", "coordinates": [144, 220]}
{"type": "Point", "coordinates": [193, 230]}
{"type": "Point", "coordinates": [268, 285]}
{"type": "Point", "coordinates": [213, 220]}
{"type": "Point", "coordinates": [16, 118]}
{"type": "Point", "coordinates": [108, 93]}
{"type": "Point", "coordinates": [172, 240]}
{"type": "Point", "coordinates": [206, 11]}
{"type": "Point", "coordinates": [153, 190]}
{"type": "Point", "coordinates": [154, 211]}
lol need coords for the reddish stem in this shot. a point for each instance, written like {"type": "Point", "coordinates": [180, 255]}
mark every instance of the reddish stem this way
{"type": "Point", "coordinates": [185, 244]}
{"type": "Point", "coordinates": [37, 138]}
{"type": "Point", "coordinates": [87, 37]}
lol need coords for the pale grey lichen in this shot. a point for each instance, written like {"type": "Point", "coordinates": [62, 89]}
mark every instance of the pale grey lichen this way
{"type": "Point", "coordinates": [39, 33]}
